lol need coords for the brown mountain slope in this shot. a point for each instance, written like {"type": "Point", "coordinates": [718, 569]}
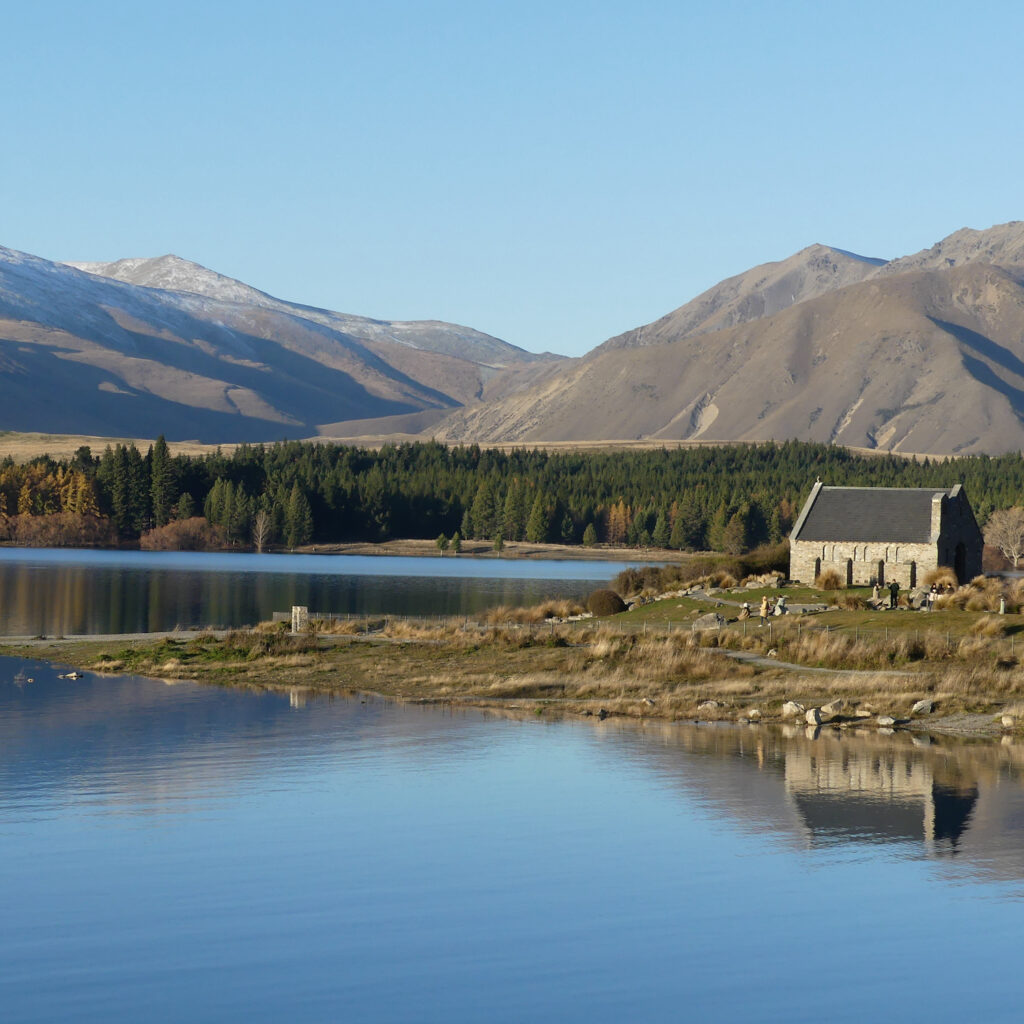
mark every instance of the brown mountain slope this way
{"type": "Point", "coordinates": [759, 292]}
{"type": "Point", "coordinates": [926, 361]}
{"type": "Point", "coordinates": [1002, 245]}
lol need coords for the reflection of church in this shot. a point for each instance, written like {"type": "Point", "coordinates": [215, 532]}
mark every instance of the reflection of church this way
{"type": "Point", "coordinates": [878, 795]}
{"type": "Point", "coordinates": [942, 797]}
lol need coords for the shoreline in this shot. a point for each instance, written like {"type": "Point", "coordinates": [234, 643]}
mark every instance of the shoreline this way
{"type": "Point", "coordinates": [495, 671]}
{"type": "Point", "coordinates": [475, 549]}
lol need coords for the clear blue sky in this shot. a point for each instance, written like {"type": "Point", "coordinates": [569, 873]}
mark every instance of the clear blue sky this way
{"type": "Point", "coordinates": [550, 172]}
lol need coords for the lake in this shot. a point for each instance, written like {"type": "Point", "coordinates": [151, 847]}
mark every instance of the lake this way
{"type": "Point", "coordinates": [63, 591]}
{"type": "Point", "coordinates": [181, 853]}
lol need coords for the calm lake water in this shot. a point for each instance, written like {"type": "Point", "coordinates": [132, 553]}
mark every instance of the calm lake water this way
{"type": "Point", "coordinates": [68, 592]}
{"type": "Point", "coordinates": [180, 853]}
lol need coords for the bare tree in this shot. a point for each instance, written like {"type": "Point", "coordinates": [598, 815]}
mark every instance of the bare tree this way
{"type": "Point", "coordinates": [262, 525]}
{"type": "Point", "coordinates": [1005, 530]}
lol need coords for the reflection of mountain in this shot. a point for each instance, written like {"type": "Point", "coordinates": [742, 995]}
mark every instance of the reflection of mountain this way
{"type": "Point", "coordinates": [825, 787]}
{"type": "Point", "coordinates": [113, 742]}
{"type": "Point", "coordinates": [110, 741]}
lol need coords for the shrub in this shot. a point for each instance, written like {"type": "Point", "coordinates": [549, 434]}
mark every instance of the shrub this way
{"type": "Point", "coordinates": [194, 534]}
{"type": "Point", "coordinates": [605, 602]}
{"type": "Point", "coordinates": [830, 580]}
{"type": "Point", "coordinates": [59, 529]}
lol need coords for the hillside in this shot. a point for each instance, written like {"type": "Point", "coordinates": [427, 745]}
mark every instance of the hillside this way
{"type": "Point", "coordinates": [922, 354]}
{"type": "Point", "coordinates": [143, 347]}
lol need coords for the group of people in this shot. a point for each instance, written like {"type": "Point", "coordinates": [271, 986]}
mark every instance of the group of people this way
{"type": "Point", "coordinates": [927, 602]}
{"type": "Point", "coordinates": [767, 610]}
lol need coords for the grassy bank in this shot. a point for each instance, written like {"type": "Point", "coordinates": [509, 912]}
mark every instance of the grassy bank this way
{"type": "Point", "coordinates": [649, 662]}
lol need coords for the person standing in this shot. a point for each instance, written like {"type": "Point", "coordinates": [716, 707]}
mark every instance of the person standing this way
{"type": "Point", "coordinates": [894, 592]}
{"type": "Point", "coordinates": [765, 609]}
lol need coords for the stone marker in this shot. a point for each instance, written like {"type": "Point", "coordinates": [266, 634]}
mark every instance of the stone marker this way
{"type": "Point", "coordinates": [300, 618]}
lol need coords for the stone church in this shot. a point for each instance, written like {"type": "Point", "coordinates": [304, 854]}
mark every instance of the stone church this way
{"type": "Point", "coordinates": [869, 534]}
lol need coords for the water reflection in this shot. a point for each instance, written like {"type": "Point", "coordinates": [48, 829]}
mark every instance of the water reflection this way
{"type": "Point", "coordinates": [947, 798]}
{"type": "Point", "coordinates": [189, 847]}
{"type": "Point", "coordinates": [71, 592]}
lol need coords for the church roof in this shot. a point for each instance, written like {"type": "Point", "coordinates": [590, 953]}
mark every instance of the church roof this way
{"type": "Point", "coordinates": [894, 515]}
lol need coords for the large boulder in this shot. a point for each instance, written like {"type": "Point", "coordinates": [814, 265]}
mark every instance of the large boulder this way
{"type": "Point", "coordinates": [813, 717]}
{"type": "Point", "coordinates": [923, 707]}
{"type": "Point", "coordinates": [833, 708]}
{"type": "Point", "coordinates": [712, 620]}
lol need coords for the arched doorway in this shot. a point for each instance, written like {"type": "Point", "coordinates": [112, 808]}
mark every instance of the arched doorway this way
{"type": "Point", "coordinates": [849, 572]}
{"type": "Point", "coordinates": [817, 568]}
{"type": "Point", "coordinates": [913, 575]}
{"type": "Point", "coordinates": [881, 573]}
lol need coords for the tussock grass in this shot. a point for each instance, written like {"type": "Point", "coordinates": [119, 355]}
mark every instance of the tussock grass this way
{"type": "Point", "coordinates": [989, 625]}
{"type": "Point", "coordinates": [829, 580]}
{"type": "Point", "coordinates": [552, 609]}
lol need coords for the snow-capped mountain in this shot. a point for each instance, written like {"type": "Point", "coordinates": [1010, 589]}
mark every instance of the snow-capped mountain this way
{"type": "Point", "coordinates": [141, 347]}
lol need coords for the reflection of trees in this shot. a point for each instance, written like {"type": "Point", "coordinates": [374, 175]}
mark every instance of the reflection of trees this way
{"type": "Point", "coordinates": [82, 597]}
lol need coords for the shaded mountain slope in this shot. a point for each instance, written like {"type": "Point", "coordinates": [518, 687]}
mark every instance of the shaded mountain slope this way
{"type": "Point", "coordinates": [86, 353]}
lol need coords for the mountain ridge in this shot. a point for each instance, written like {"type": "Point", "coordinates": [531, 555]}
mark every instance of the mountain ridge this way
{"type": "Point", "coordinates": [928, 356]}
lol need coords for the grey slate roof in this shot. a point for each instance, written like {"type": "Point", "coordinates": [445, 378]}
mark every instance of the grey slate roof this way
{"type": "Point", "coordinates": [879, 514]}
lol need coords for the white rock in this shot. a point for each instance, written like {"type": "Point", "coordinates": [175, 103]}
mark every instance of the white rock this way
{"type": "Point", "coordinates": [923, 707]}
{"type": "Point", "coordinates": [792, 709]}
{"type": "Point", "coordinates": [709, 705]}
{"type": "Point", "coordinates": [813, 717]}
{"type": "Point", "coordinates": [834, 707]}
{"type": "Point", "coordinates": [886, 722]}
{"type": "Point", "coordinates": [753, 713]}
{"type": "Point", "coordinates": [1008, 721]}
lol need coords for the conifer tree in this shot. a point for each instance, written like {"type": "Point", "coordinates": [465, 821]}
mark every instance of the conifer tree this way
{"type": "Point", "coordinates": [298, 518]}
{"type": "Point", "coordinates": [161, 488]}
{"type": "Point", "coordinates": [537, 524]}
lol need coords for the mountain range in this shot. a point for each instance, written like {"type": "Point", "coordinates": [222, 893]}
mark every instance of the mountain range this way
{"type": "Point", "coordinates": [148, 346]}
{"type": "Point", "coordinates": [924, 353]}
{"type": "Point", "coordinates": [919, 354]}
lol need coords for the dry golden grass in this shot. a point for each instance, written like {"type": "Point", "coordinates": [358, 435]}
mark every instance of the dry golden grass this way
{"type": "Point", "coordinates": [830, 580]}
{"type": "Point", "coordinates": [989, 625]}
{"type": "Point", "coordinates": [553, 609]}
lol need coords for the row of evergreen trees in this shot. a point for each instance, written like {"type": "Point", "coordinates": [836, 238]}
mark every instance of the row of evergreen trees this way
{"type": "Point", "coordinates": [727, 498]}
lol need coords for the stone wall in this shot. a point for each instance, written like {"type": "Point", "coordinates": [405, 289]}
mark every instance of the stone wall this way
{"type": "Point", "coordinates": [904, 563]}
